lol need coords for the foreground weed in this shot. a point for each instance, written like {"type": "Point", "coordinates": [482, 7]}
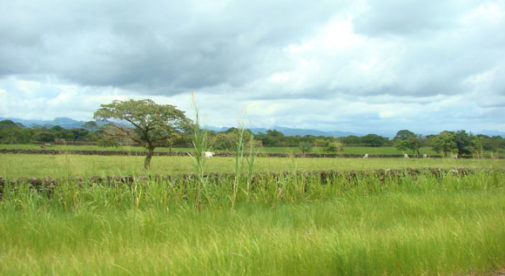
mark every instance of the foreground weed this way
{"type": "Point", "coordinates": [200, 141]}
{"type": "Point", "coordinates": [396, 233]}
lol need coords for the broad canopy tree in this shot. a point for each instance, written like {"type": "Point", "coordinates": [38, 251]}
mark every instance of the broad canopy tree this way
{"type": "Point", "coordinates": [407, 140]}
{"type": "Point", "coordinates": [463, 143]}
{"type": "Point", "coordinates": [151, 125]}
{"type": "Point", "coordinates": [444, 142]}
{"type": "Point", "coordinates": [373, 140]}
{"type": "Point", "coordinates": [452, 142]}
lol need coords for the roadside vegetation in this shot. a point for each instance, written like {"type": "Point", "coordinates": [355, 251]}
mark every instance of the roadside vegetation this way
{"type": "Point", "coordinates": [422, 225]}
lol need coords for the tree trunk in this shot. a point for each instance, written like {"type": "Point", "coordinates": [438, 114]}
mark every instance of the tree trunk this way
{"type": "Point", "coordinates": [147, 161]}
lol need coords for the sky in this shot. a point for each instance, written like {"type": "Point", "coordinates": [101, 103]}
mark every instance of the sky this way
{"type": "Point", "coordinates": [359, 66]}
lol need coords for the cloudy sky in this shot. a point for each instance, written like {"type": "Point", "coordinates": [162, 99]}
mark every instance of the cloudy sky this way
{"type": "Point", "coordinates": [350, 65]}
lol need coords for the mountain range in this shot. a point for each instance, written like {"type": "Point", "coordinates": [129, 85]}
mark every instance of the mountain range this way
{"type": "Point", "coordinates": [294, 131]}
{"type": "Point", "coordinates": [71, 123]}
{"type": "Point", "coordinates": [60, 121]}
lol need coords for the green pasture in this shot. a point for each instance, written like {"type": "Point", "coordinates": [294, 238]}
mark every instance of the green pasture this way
{"type": "Point", "coordinates": [288, 150]}
{"type": "Point", "coordinates": [63, 165]}
{"type": "Point", "coordinates": [412, 225]}
{"type": "Point", "coordinates": [287, 225]}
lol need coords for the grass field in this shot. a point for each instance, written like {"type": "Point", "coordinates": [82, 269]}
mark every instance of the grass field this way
{"type": "Point", "coordinates": [346, 150]}
{"type": "Point", "coordinates": [293, 224]}
{"type": "Point", "coordinates": [28, 165]}
{"type": "Point", "coordinates": [420, 225]}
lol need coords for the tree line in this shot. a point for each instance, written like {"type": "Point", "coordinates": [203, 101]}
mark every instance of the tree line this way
{"type": "Point", "coordinates": [151, 125]}
{"type": "Point", "coordinates": [459, 143]}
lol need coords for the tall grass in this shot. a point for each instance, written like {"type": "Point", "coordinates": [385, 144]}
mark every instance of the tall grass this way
{"type": "Point", "coordinates": [251, 162]}
{"type": "Point", "coordinates": [199, 158]}
{"type": "Point", "coordinates": [239, 162]}
{"type": "Point", "coordinates": [291, 225]}
{"type": "Point", "coordinates": [265, 189]}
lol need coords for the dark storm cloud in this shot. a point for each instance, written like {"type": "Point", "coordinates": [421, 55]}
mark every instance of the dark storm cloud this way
{"type": "Point", "coordinates": [165, 47]}
{"type": "Point", "coordinates": [169, 48]}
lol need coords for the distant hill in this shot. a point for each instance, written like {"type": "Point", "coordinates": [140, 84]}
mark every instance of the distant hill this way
{"type": "Point", "coordinates": [303, 132]}
{"type": "Point", "coordinates": [294, 131]}
{"type": "Point", "coordinates": [60, 121]}
{"type": "Point", "coordinates": [69, 123]}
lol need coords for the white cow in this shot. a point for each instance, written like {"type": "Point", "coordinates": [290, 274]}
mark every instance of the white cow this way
{"type": "Point", "coordinates": [425, 155]}
{"type": "Point", "coordinates": [209, 154]}
{"type": "Point", "coordinates": [405, 155]}
{"type": "Point", "coordinates": [365, 156]}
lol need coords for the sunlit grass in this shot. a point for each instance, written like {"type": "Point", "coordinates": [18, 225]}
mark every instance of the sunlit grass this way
{"type": "Point", "coordinates": [301, 224]}
{"type": "Point", "coordinates": [27, 165]}
{"type": "Point", "coordinates": [393, 234]}
{"type": "Point", "coordinates": [287, 150]}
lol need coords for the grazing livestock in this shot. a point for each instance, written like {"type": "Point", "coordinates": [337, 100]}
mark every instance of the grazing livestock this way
{"type": "Point", "coordinates": [455, 156]}
{"type": "Point", "coordinates": [405, 155]}
{"type": "Point", "coordinates": [425, 155]}
{"type": "Point", "coordinates": [365, 156]}
{"type": "Point", "coordinates": [209, 154]}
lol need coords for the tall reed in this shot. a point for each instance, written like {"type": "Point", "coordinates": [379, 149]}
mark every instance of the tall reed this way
{"type": "Point", "coordinates": [251, 158]}
{"type": "Point", "coordinates": [239, 162]}
{"type": "Point", "coordinates": [199, 159]}
{"type": "Point", "coordinates": [240, 156]}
